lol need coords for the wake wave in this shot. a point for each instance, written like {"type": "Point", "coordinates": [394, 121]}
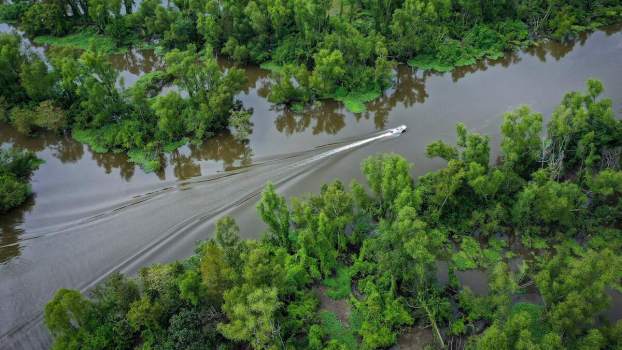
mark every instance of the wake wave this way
{"type": "Point", "coordinates": [189, 183]}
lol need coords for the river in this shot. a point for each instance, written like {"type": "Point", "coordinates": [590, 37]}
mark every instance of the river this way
{"type": "Point", "coordinates": [93, 214]}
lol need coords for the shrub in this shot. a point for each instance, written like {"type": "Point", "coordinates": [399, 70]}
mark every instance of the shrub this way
{"type": "Point", "coordinates": [14, 11]}
{"type": "Point", "coordinates": [12, 192]}
{"type": "Point", "coordinates": [23, 118]}
{"type": "Point", "coordinates": [15, 170]}
{"type": "Point", "coordinates": [50, 117]}
{"type": "Point", "coordinates": [45, 18]}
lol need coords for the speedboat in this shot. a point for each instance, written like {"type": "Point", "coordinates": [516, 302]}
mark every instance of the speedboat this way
{"type": "Point", "coordinates": [399, 130]}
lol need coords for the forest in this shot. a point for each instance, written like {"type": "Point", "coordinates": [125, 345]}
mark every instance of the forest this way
{"type": "Point", "coordinates": [317, 49]}
{"type": "Point", "coordinates": [542, 220]}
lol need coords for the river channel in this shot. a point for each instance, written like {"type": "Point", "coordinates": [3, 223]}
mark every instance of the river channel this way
{"type": "Point", "coordinates": [93, 214]}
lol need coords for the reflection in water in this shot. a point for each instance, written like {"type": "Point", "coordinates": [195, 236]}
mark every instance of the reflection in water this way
{"type": "Point", "coordinates": [134, 63]}
{"type": "Point", "coordinates": [63, 147]}
{"type": "Point", "coordinates": [224, 148]}
{"type": "Point", "coordinates": [325, 115]}
{"type": "Point", "coordinates": [110, 161]}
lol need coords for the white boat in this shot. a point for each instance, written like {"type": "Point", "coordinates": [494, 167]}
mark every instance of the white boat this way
{"type": "Point", "coordinates": [399, 130]}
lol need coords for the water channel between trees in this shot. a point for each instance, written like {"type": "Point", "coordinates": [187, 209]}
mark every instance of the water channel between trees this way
{"type": "Point", "coordinates": [93, 214]}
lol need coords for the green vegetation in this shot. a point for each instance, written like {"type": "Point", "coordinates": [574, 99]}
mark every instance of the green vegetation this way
{"type": "Point", "coordinates": [339, 335]}
{"type": "Point", "coordinates": [355, 101]}
{"type": "Point", "coordinates": [86, 95]}
{"type": "Point", "coordinates": [339, 286]}
{"type": "Point", "coordinates": [317, 49]}
{"type": "Point", "coordinates": [377, 247]}
{"type": "Point", "coordinates": [16, 167]}
{"type": "Point", "coordinates": [82, 40]}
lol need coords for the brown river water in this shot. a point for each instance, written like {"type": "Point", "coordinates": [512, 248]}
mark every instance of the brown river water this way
{"type": "Point", "coordinates": [92, 214]}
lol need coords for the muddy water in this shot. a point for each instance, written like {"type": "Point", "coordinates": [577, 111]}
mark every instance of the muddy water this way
{"type": "Point", "coordinates": [97, 213]}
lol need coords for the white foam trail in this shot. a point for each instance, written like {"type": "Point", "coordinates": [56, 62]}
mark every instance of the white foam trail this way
{"type": "Point", "coordinates": [388, 133]}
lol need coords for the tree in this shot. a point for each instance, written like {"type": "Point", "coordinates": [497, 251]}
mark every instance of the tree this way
{"type": "Point", "coordinates": [68, 316]}
{"type": "Point", "coordinates": [228, 238]}
{"type": "Point", "coordinates": [36, 80]}
{"type": "Point", "coordinates": [102, 12]}
{"type": "Point", "coordinates": [574, 286]}
{"type": "Point", "coordinates": [581, 130]}
{"type": "Point", "coordinates": [12, 192]}
{"type": "Point", "coordinates": [380, 312]}
{"type": "Point", "coordinates": [415, 29]}
{"type": "Point", "coordinates": [520, 331]}
{"type": "Point", "coordinates": [328, 71]}
{"type": "Point", "coordinates": [291, 86]}
{"type": "Point", "coordinates": [273, 210]}
{"type": "Point", "coordinates": [100, 101]}
{"type": "Point", "coordinates": [521, 144]}
{"type": "Point", "coordinates": [16, 168]}
{"type": "Point", "coordinates": [471, 147]}
{"type": "Point", "coordinates": [44, 18]}
{"type": "Point", "coordinates": [388, 176]}
{"type": "Point", "coordinates": [217, 275]}
{"type": "Point", "coordinates": [251, 315]}
{"type": "Point", "coordinates": [211, 92]}
{"type": "Point", "coordinates": [548, 204]}
{"type": "Point", "coordinates": [11, 60]}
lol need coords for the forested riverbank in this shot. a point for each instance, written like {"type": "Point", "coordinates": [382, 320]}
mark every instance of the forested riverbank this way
{"type": "Point", "coordinates": [543, 220]}
{"type": "Point", "coordinates": [303, 42]}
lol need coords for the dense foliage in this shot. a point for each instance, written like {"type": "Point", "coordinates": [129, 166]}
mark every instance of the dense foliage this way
{"type": "Point", "coordinates": [85, 94]}
{"type": "Point", "coordinates": [16, 167]}
{"type": "Point", "coordinates": [544, 223]}
{"type": "Point", "coordinates": [341, 49]}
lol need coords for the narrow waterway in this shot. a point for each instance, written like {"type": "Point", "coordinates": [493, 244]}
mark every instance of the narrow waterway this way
{"type": "Point", "coordinates": [97, 213]}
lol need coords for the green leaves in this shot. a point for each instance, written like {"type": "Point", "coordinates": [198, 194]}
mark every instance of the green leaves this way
{"type": "Point", "coordinates": [521, 144]}
{"type": "Point", "coordinates": [274, 212]}
{"type": "Point", "coordinates": [251, 317]}
{"type": "Point", "coordinates": [549, 205]}
{"type": "Point", "coordinates": [16, 168]}
{"type": "Point", "coordinates": [387, 175]}
{"type": "Point", "coordinates": [574, 286]}
{"type": "Point", "coordinates": [582, 129]}
{"type": "Point", "coordinates": [66, 315]}
{"type": "Point", "coordinates": [380, 313]}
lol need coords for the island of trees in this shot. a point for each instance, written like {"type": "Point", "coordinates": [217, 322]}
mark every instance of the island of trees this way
{"type": "Point", "coordinates": [317, 49]}
{"type": "Point", "coordinates": [16, 168]}
{"type": "Point", "coordinates": [543, 221]}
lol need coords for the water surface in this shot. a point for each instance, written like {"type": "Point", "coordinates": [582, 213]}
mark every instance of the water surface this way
{"type": "Point", "coordinates": [97, 213]}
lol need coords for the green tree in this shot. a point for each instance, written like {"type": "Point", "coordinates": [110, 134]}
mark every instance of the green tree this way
{"type": "Point", "coordinates": [43, 18]}
{"type": "Point", "coordinates": [36, 80]}
{"type": "Point", "coordinates": [16, 168]}
{"type": "Point", "coordinates": [545, 203]}
{"type": "Point", "coordinates": [582, 129]}
{"type": "Point", "coordinates": [273, 210]}
{"type": "Point", "coordinates": [68, 316]}
{"type": "Point", "coordinates": [217, 275]}
{"type": "Point", "coordinates": [388, 176]}
{"type": "Point", "coordinates": [521, 144]}
{"type": "Point", "coordinates": [251, 315]}
{"type": "Point", "coordinates": [328, 72]}
{"type": "Point", "coordinates": [574, 286]}
{"type": "Point", "coordinates": [11, 60]}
